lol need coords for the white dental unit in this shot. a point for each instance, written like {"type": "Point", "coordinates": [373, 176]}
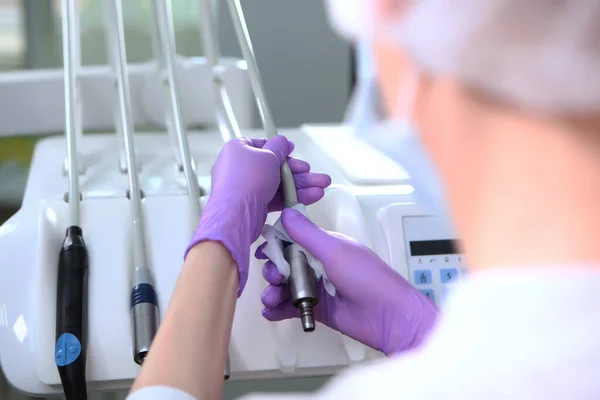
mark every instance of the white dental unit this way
{"type": "Point", "coordinates": [370, 200]}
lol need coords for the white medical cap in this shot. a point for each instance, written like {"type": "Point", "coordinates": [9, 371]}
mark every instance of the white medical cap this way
{"type": "Point", "coordinates": [541, 55]}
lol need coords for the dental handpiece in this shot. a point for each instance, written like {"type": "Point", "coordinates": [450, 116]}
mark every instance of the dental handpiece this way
{"type": "Point", "coordinates": [144, 304]}
{"type": "Point", "coordinates": [70, 347]}
{"type": "Point", "coordinates": [302, 282]}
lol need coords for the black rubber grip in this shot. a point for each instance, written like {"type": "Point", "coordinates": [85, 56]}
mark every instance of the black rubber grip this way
{"type": "Point", "coordinates": [70, 351]}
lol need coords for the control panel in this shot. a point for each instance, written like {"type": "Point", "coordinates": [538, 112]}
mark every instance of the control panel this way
{"type": "Point", "coordinates": [434, 263]}
{"type": "Point", "coordinates": [423, 249]}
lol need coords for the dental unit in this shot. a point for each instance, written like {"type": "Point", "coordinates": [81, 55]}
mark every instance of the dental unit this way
{"type": "Point", "coordinates": [110, 191]}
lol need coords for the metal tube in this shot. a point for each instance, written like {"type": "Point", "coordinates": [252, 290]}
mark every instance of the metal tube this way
{"type": "Point", "coordinates": [290, 196]}
{"type": "Point", "coordinates": [111, 50]}
{"type": "Point", "coordinates": [159, 58]}
{"type": "Point", "coordinates": [144, 304]}
{"type": "Point", "coordinates": [167, 39]}
{"type": "Point", "coordinates": [226, 120]}
{"type": "Point", "coordinates": [70, 82]}
{"type": "Point", "coordinates": [126, 126]}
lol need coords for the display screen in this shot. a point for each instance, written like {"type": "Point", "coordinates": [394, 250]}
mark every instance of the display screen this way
{"type": "Point", "coordinates": [433, 247]}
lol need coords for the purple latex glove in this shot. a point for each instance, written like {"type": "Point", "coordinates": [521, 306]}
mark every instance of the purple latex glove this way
{"type": "Point", "coordinates": [245, 187]}
{"type": "Point", "coordinates": [373, 303]}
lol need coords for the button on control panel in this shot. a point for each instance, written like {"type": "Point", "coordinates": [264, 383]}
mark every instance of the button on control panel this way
{"type": "Point", "coordinates": [435, 275]}
{"type": "Point", "coordinates": [434, 263]}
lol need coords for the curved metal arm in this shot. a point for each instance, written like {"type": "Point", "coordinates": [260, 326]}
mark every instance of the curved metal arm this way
{"type": "Point", "coordinates": [239, 22]}
{"type": "Point", "coordinates": [226, 120]}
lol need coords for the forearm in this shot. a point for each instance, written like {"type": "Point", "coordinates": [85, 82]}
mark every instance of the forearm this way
{"type": "Point", "coordinates": [190, 349]}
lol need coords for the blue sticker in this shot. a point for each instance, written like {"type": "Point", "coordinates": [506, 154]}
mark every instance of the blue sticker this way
{"type": "Point", "coordinates": [67, 350]}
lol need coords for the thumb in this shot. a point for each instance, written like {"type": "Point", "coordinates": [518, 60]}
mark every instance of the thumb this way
{"type": "Point", "coordinates": [308, 235]}
{"type": "Point", "coordinates": [280, 146]}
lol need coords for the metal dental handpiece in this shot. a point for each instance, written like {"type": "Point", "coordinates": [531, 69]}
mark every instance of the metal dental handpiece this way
{"type": "Point", "coordinates": [302, 282]}
{"type": "Point", "coordinates": [144, 304]}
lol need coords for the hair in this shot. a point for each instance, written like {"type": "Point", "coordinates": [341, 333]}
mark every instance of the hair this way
{"type": "Point", "coordinates": [540, 56]}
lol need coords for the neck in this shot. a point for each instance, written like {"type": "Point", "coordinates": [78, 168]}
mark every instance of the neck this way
{"type": "Point", "coordinates": [538, 202]}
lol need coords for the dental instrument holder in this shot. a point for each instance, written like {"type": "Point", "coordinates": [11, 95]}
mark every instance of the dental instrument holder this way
{"type": "Point", "coordinates": [302, 282]}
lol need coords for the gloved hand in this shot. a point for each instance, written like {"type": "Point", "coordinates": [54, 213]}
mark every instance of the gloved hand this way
{"type": "Point", "coordinates": [246, 183]}
{"type": "Point", "coordinates": [373, 303]}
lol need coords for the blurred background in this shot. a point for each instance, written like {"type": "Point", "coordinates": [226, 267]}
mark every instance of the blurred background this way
{"type": "Point", "coordinates": [307, 72]}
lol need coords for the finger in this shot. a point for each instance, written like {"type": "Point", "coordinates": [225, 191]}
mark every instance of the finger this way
{"type": "Point", "coordinates": [310, 196]}
{"type": "Point", "coordinates": [271, 274]}
{"type": "Point", "coordinates": [282, 312]}
{"type": "Point", "coordinates": [339, 235]}
{"type": "Point", "coordinates": [297, 165]}
{"type": "Point", "coordinates": [255, 142]}
{"type": "Point", "coordinates": [272, 296]}
{"type": "Point", "coordinates": [280, 146]}
{"type": "Point", "coordinates": [308, 235]}
{"type": "Point", "coordinates": [258, 254]}
{"type": "Point", "coordinates": [311, 179]}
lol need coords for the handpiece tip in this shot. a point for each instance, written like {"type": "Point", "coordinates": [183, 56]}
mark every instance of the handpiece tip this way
{"type": "Point", "coordinates": [307, 317]}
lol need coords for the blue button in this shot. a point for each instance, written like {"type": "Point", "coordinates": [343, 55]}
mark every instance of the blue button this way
{"type": "Point", "coordinates": [449, 275]}
{"type": "Point", "coordinates": [428, 293]}
{"type": "Point", "coordinates": [67, 350]}
{"type": "Point", "coordinates": [423, 277]}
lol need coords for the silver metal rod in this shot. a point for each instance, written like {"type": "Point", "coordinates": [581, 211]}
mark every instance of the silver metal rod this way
{"type": "Point", "coordinates": [167, 39]}
{"type": "Point", "coordinates": [159, 58]}
{"type": "Point", "coordinates": [241, 31]}
{"type": "Point", "coordinates": [69, 14]}
{"type": "Point", "coordinates": [119, 58]}
{"type": "Point", "coordinates": [111, 51]}
{"type": "Point", "coordinates": [239, 22]}
{"type": "Point", "coordinates": [209, 32]}
{"type": "Point", "coordinates": [77, 66]}
{"type": "Point", "coordinates": [144, 309]}
{"type": "Point", "coordinates": [226, 120]}
{"type": "Point", "coordinates": [155, 35]}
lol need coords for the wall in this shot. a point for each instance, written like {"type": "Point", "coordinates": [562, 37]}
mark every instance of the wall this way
{"type": "Point", "coordinates": [305, 68]}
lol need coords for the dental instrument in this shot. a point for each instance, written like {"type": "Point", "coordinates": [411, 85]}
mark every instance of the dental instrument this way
{"type": "Point", "coordinates": [144, 303]}
{"type": "Point", "coordinates": [162, 10]}
{"type": "Point", "coordinates": [70, 349]}
{"type": "Point", "coordinates": [302, 282]}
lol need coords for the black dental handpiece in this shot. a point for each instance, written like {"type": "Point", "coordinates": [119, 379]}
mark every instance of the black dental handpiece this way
{"type": "Point", "coordinates": [70, 350]}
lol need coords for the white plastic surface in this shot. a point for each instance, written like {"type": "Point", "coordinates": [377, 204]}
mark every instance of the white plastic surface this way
{"type": "Point", "coordinates": [30, 243]}
{"type": "Point", "coordinates": [359, 161]}
{"type": "Point", "coordinates": [32, 102]}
